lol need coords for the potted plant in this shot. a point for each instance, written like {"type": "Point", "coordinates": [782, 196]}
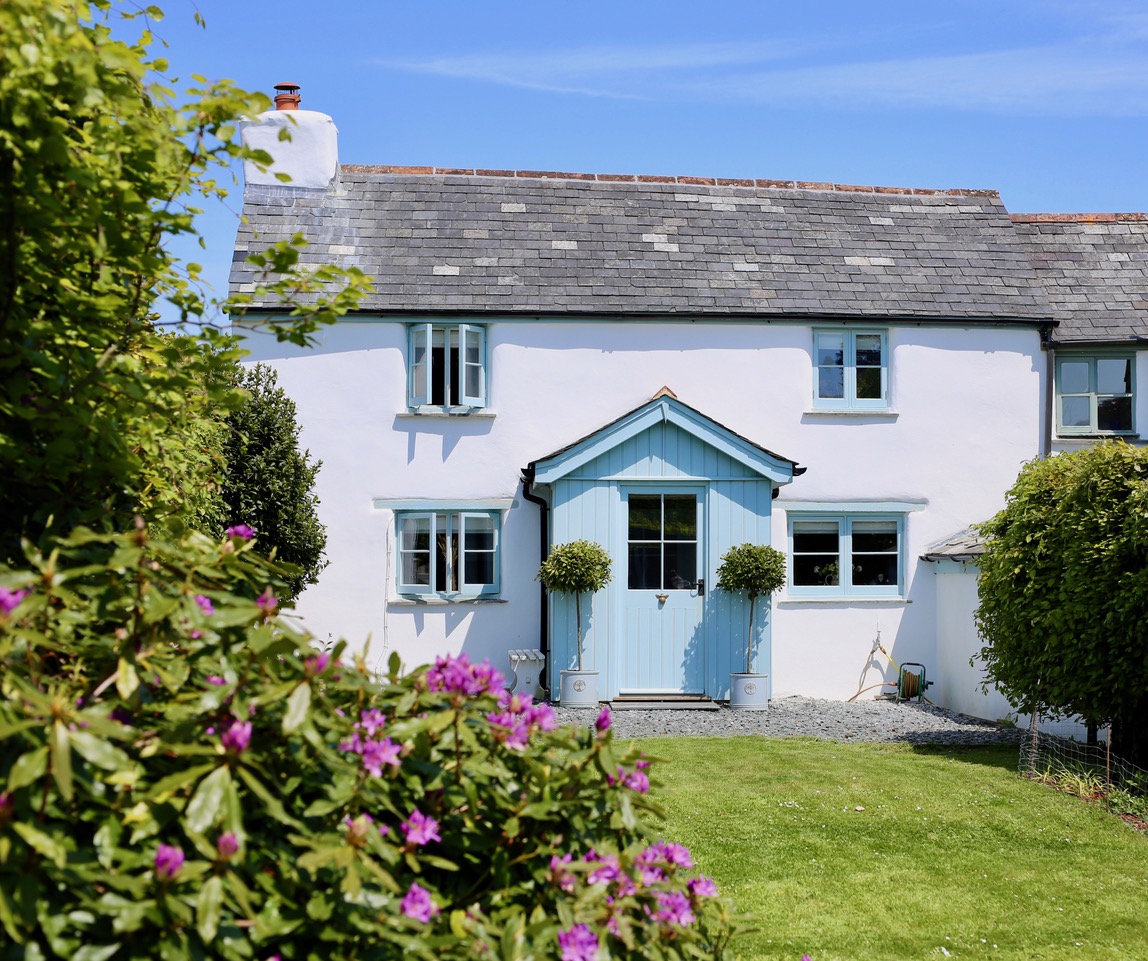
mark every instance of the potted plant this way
{"type": "Point", "coordinates": [577, 567]}
{"type": "Point", "coordinates": [757, 570]}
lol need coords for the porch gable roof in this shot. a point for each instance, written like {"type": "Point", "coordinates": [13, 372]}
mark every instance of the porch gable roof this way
{"type": "Point", "coordinates": [664, 408]}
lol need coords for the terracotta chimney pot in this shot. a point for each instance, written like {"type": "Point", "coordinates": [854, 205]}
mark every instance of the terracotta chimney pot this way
{"type": "Point", "coordinates": [288, 96]}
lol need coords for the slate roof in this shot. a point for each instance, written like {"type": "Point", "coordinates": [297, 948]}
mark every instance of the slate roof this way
{"type": "Point", "coordinates": [966, 545]}
{"type": "Point", "coordinates": [547, 243]}
{"type": "Point", "coordinates": [1094, 270]}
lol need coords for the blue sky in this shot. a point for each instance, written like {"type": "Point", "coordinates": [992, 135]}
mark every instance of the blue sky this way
{"type": "Point", "coordinates": [1043, 100]}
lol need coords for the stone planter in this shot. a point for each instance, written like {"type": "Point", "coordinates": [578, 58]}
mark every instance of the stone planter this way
{"type": "Point", "coordinates": [578, 689]}
{"type": "Point", "coordinates": [748, 692]}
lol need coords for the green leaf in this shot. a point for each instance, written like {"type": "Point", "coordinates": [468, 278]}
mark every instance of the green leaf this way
{"type": "Point", "coordinates": [173, 782]}
{"type": "Point", "coordinates": [101, 753]}
{"type": "Point", "coordinates": [62, 759]}
{"type": "Point", "coordinates": [91, 952]}
{"type": "Point", "coordinates": [206, 804]}
{"type": "Point", "coordinates": [28, 768]}
{"type": "Point", "coordinates": [41, 843]}
{"type": "Point", "coordinates": [208, 907]}
{"type": "Point", "coordinates": [127, 680]}
{"type": "Point", "coordinates": [297, 705]}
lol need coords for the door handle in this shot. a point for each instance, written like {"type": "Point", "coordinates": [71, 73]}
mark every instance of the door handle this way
{"type": "Point", "coordinates": [701, 587]}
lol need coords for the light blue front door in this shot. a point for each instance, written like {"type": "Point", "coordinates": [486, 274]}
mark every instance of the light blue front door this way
{"type": "Point", "coordinates": [661, 643]}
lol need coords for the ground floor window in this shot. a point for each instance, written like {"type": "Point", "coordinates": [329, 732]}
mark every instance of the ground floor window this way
{"type": "Point", "coordinates": [847, 555]}
{"type": "Point", "coordinates": [448, 552]}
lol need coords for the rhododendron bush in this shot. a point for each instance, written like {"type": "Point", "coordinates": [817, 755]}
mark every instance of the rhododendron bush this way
{"type": "Point", "coordinates": [183, 774]}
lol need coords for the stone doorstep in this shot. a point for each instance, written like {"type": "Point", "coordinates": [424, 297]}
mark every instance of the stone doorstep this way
{"type": "Point", "coordinates": [663, 704]}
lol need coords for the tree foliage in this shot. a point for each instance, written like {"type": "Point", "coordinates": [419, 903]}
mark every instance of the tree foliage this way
{"type": "Point", "coordinates": [100, 160]}
{"type": "Point", "coordinates": [1064, 590]}
{"type": "Point", "coordinates": [756, 570]}
{"type": "Point", "coordinates": [576, 567]}
{"type": "Point", "coordinates": [182, 775]}
{"type": "Point", "coordinates": [268, 482]}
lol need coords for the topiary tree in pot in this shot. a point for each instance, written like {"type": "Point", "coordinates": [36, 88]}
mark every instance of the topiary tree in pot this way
{"type": "Point", "coordinates": [754, 569]}
{"type": "Point", "coordinates": [576, 567]}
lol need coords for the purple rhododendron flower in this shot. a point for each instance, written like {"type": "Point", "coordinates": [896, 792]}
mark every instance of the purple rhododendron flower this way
{"type": "Point", "coordinates": [457, 675]}
{"type": "Point", "coordinates": [237, 737]}
{"type": "Point", "coordinates": [638, 781]}
{"type": "Point", "coordinates": [602, 725]}
{"type": "Point", "coordinates": [420, 829]}
{"type": "Point", "coordinates": [267, 601]}
{"type": "Point", "coordinates": [242, 531]}
{"type": "Point", "coordinates": [702, 887]}
{"type": "Point", "coordinates": [10, 600]}
{"type": "Point", "coordinates": [417, 904]}
{"type": "Point", "coordinates": [227, 846]}
{"type": "Point", "coordinates": [578, 944]}
{"type": "Point", "coordinates": [216, 680]}
{"type": "Point", "coordinates": [661, 852]}
{"type": "Point", "coordinates": [168, 861]}
{"type": "Point", "coordinates": [371, 720]}
{"type": "Point", "coordinates": [674, 908]}
{"type": "Point", "coordinates": [317, 664]}
{"type": "Point", "coordinates": [607, 870]}
{"type": "Point", "coordinates": [650, 873]}
{"type": "Point", "coordinates": [377, 753]}
{"type": "Point", "coordinates": [564, 879]}
{"type": "Point", "coordinates": [205, 604]}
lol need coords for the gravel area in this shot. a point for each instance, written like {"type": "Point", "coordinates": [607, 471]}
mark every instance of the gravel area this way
{"type": "Point", "coordinates": [875, 720]}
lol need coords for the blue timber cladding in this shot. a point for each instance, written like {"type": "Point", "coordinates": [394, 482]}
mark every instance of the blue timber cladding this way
{"type": "Point", "coordinates": [691, 644]}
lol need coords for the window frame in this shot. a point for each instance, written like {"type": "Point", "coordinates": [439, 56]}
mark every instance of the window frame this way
{"type": "Point", "coordinates": [849, 400]}
{"type": "Point", "coordinates": [1094, 395]}
{"type": "Point", "coordinates": [421, 367]}
{"type": "Point", "coordinates": [844, 589]}
{"type": "Point", "coordinates": [454, 524]}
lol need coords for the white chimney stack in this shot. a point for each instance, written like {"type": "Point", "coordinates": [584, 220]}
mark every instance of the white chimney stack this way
{"type": "Point", "coordinates": [310, 157]}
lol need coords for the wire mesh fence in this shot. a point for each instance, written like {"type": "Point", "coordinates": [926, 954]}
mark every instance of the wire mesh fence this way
{"type": "Point", "coordinates": [1047, 755]}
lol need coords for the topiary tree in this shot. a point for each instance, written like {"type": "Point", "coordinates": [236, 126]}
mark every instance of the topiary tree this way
{"type": "Point", "coordinates": [576, 567]}
{"type": "Point", "coordinates": [753, 569]}
{"type": "Point", "coordinates": [1064, 591]}
{"type": "Point", "coordinates": [183, 775]}
{"type": "Point", "coordinates": [268, 483]}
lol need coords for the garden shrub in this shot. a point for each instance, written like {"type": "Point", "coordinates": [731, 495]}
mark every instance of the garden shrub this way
{"type": "Point", "coordinates": [183, 775]}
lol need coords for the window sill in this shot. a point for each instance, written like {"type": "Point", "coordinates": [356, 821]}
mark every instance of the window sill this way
{"type": "Point", "coordinates": [1113, 435]}
{"type": "Point", "coordinates": [442, 601]}
{"type": "Point", "coordinates": [881, 413]}
{"type": "Point", "coordinates": [442, 413]}
{"type": "Point", "coordinates": [845, 601]}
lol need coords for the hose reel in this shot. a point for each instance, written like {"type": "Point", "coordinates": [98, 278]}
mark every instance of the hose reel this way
{"type": "Point", "coordinates": [912, 683]}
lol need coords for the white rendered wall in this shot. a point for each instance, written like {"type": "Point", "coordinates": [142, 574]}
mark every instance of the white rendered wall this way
{"type": "Point", "coordinates": [967, 413]}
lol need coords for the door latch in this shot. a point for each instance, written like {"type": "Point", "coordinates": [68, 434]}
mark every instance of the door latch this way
{"type": "Point", "coordinates": [701, 587]}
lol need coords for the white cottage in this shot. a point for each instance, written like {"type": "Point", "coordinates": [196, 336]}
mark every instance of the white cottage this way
{"type": "Point", "coordinates": [668, 367]}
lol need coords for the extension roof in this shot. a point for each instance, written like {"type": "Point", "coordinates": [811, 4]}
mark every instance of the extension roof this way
{"type": "Point", "coordinates": [520, 242]}
{"type": "Point", "coordinates": [1094, 271]}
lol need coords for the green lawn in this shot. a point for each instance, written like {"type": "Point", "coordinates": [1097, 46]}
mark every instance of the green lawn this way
{"type": "Point", "coordinates": [869, 851]}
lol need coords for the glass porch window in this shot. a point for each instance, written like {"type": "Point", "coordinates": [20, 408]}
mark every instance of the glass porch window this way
{"type": "Point", "coordinates": [662, 542]}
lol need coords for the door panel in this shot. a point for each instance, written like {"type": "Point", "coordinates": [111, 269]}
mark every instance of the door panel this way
{"type": "Point", "coordinates": [661, 647]}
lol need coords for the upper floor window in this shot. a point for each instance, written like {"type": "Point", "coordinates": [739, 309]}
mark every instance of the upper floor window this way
{"type": "Point", "coordinates": [447, 552]}
{"type": "Point", "coordinates": [1094, 394]}
{"type": "Point", "coordinates": [847, 555]}
{"type": "Point", "coordinates": [447, 366]}
{"type": "Point", "coordinates": [851, 369]}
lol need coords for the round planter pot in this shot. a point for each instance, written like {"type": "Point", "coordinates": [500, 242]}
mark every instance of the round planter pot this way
{"type": "Point", "coordinates": [748, 692]}
{"type": "Point", "coordinates": [578, 688]}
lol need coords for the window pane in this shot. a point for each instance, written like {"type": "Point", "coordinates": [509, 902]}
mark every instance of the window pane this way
{"type": "Point", "coordinates": [645, 517]}
{"type": "Point", "coordinates": [1074, 377]}
{"type": "Point", "coordinates": [645, 564]}
{"type": "Point", "coordinates": [414, 551]}
{"type": "Point", "coordinates": [869, 383]}
{"type": "Point", "coordinates": [815, 542]}
{"type": "Point", "coordinates": [680, 566]}
{"type": "Point", "coordinates": [681, 517]}
{"type": "Point", "coordinates": [815, 553]}
{"type": "Point", "coordinates": [874, 569]}
{"type": "Point", "coordinates": [874, 537]}
{"type": "Point", "coordinates": [868, 350]}
{"type": "Point", "coordinates": [479, 533]}
{"type": "Point", "coordinates": [479, 568]}
{"type": "Point", "coordinates": [830, 383]}
{"type": "Point", "coordinates": [455, 373]}
{"type": "Point", "coordinates": [419, 366]}
{"type": "Point", "coordinates": [1075, 412]}
{"type": "Point", "coordinates": [438, 369]}
{"type": "Point", "coordinates": [1114, 413]}
{"type": "Point", "coordinates": [830, 350]}
{"type": "Point", "coordinates": [1113, 375]}
{"type": "Point", "coordinates": [814, 570]}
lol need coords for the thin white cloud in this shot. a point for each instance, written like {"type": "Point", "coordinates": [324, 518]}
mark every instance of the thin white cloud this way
{"type": "Point", "coordinates": [1102, 73]}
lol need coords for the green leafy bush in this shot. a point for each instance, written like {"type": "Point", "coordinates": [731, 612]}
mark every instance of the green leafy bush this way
{"type": "Point", "coordinates": [184, 776]}
{"type": "Point", "coordinates": [754, 569]}
{"type": "Point", "coordinates": [576, 567]}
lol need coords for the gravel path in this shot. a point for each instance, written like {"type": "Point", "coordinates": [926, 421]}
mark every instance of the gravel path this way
{"type": "Point", "coordinates": [876, 720]}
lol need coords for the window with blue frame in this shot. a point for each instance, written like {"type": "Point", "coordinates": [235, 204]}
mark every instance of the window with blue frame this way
{"type": "Point", "coordinates": [447, 553]}
{"type": "Point", "coordinates": [846, 555]}
{"type": "Point", "coordinates": [446, 367]}
{"type": "Point", "coordinates": [851, 369]}
{"type": "Point", "coordinates": [1094, 394]}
